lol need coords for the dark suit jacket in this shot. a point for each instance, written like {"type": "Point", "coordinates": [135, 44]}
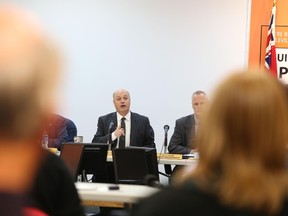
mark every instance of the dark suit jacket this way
{"type": "Point", "coordinates": [142, 134]}
{"type": "Point", "coordinates": [56, 130]}
{"type": "Point", "coordinates": [183, 138]}
{"type": "Point", "coordinates": [71, 130]}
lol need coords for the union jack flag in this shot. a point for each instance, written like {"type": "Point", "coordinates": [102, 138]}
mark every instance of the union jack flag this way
{"type": "Point", "coordinates": [270, 56]}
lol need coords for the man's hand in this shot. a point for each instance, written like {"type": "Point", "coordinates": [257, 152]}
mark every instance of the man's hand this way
{"type": "Point", "coordinates": [119, 131]}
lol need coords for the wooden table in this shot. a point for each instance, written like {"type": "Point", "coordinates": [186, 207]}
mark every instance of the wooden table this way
{"type": "Point", "coordinates": [101, 194]}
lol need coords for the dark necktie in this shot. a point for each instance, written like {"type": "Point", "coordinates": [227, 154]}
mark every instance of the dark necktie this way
{"type": "Point", "coordinates": [122, 138]}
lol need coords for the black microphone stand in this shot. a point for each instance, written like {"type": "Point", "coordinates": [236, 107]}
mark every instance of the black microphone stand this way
{"type": "Point", "coordinates": [109, 144]}
{"type": "Point", "coordinates": [167, 167]}
{"type": "Point", "coordinates": [165, 142]}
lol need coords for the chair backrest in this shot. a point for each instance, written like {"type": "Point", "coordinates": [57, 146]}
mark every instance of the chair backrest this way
{"type": "Point", "coordinates": [131, 165]}
{"type": "Point", "coordinates": [72, 153]}
{"type": "Point", "coordinates": [94, 161]}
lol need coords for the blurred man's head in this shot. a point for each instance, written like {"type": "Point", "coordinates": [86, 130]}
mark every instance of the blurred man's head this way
{"type": "Point", "coordinates": [199, 99]}
{"type": "Point", "coordinates": [121, 100]}
{"type": "Point", "coordinates": [29, 70]}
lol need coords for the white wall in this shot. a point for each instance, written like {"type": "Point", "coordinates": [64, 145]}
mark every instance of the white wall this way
{"type": "Point", "coordinates": [159, 50]}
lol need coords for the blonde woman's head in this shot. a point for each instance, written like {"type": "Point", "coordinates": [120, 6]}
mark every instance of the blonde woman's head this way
{"type": "Point", "coordinates": [247, 120]}
{"type": "Point", "coordinates": [242, 142]}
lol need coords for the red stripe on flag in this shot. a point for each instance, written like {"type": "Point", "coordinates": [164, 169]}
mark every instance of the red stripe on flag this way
{"type": "Point", "coordinates": [270, 56]}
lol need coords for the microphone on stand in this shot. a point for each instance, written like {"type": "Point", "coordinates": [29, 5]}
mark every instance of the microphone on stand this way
{"type": "Point", "coordinates": [166, 128]}
{"type": "Point", "coordinates": [110, 136]}
{"type": "Point", "coordinates": [110, 127]}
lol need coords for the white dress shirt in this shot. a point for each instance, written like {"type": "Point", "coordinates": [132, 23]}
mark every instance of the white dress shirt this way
{"type": "Point", "coordinates": [127, 130]}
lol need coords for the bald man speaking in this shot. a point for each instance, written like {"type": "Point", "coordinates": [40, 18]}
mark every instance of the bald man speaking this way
{"type": "Point", "coordinates": [123, 127]}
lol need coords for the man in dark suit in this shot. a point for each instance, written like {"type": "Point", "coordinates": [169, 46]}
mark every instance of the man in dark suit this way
{"type": "Point", "coordinates": [137, 130]}
{"type": "Point", "coordinates": [133, 130]}
{"type": "Point", "coordinates": [71, 130]}
{"type": "Point", "coordinates": [56, 130]}
{"type": "Point", "coordinates": [183, 138]}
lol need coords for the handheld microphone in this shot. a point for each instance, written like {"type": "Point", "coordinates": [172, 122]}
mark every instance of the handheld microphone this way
{"type": "Point", "coordinates": [109, 141]}
{"type": "Point", "coordinates": [110, 127]}
{"type": "Point", "coordinates": [152, 181]}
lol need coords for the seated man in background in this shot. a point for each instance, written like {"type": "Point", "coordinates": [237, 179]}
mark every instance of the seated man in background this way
{"type": "Point", "coordinates": [71, 130]}
{"type": "Point", "coordinates": [183, 138]}
{"type": "Point", "coordinates": [56, 130]}
{"type": "Point", "coordinates": [185, 131]}
{"type": "Point", "coordinates": [123, 125]}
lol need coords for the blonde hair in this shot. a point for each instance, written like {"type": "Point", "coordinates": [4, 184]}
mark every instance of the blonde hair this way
{"type": "Point", "coordinates": [29, 73]}
{"type": "Point", "coordinates": [242, 143]}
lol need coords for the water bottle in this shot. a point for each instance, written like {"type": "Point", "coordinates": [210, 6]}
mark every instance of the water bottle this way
{"type": "Point", "coordinates": [45, 140]}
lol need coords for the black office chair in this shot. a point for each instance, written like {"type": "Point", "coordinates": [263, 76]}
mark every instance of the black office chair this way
{"type": "Point", "coordinates": [72, 153]}
{"type": "Point", "coordinates": [167, 170]}
{"type": "Point", "coordinates": [131, 165]}
{"type": "Point", "coordinates": [94, 162]}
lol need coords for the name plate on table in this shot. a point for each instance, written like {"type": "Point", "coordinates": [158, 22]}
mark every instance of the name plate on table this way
{"type": "Point", "coordinates": [169, 156]}
{"type": "Point", "coordinates": [159, 155]}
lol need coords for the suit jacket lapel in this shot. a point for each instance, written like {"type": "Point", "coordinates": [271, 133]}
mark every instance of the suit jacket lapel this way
{"type": "Point", "coordinates": [133, 127]}
{"type": "Point", "coordinates": [192, 135]}
{"type": "Point", "coordinates": [111, 119]}
{"type": "Point", "coordinates": [192, 126]}
{"type": "Point", "coordinates": [114, 120]}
